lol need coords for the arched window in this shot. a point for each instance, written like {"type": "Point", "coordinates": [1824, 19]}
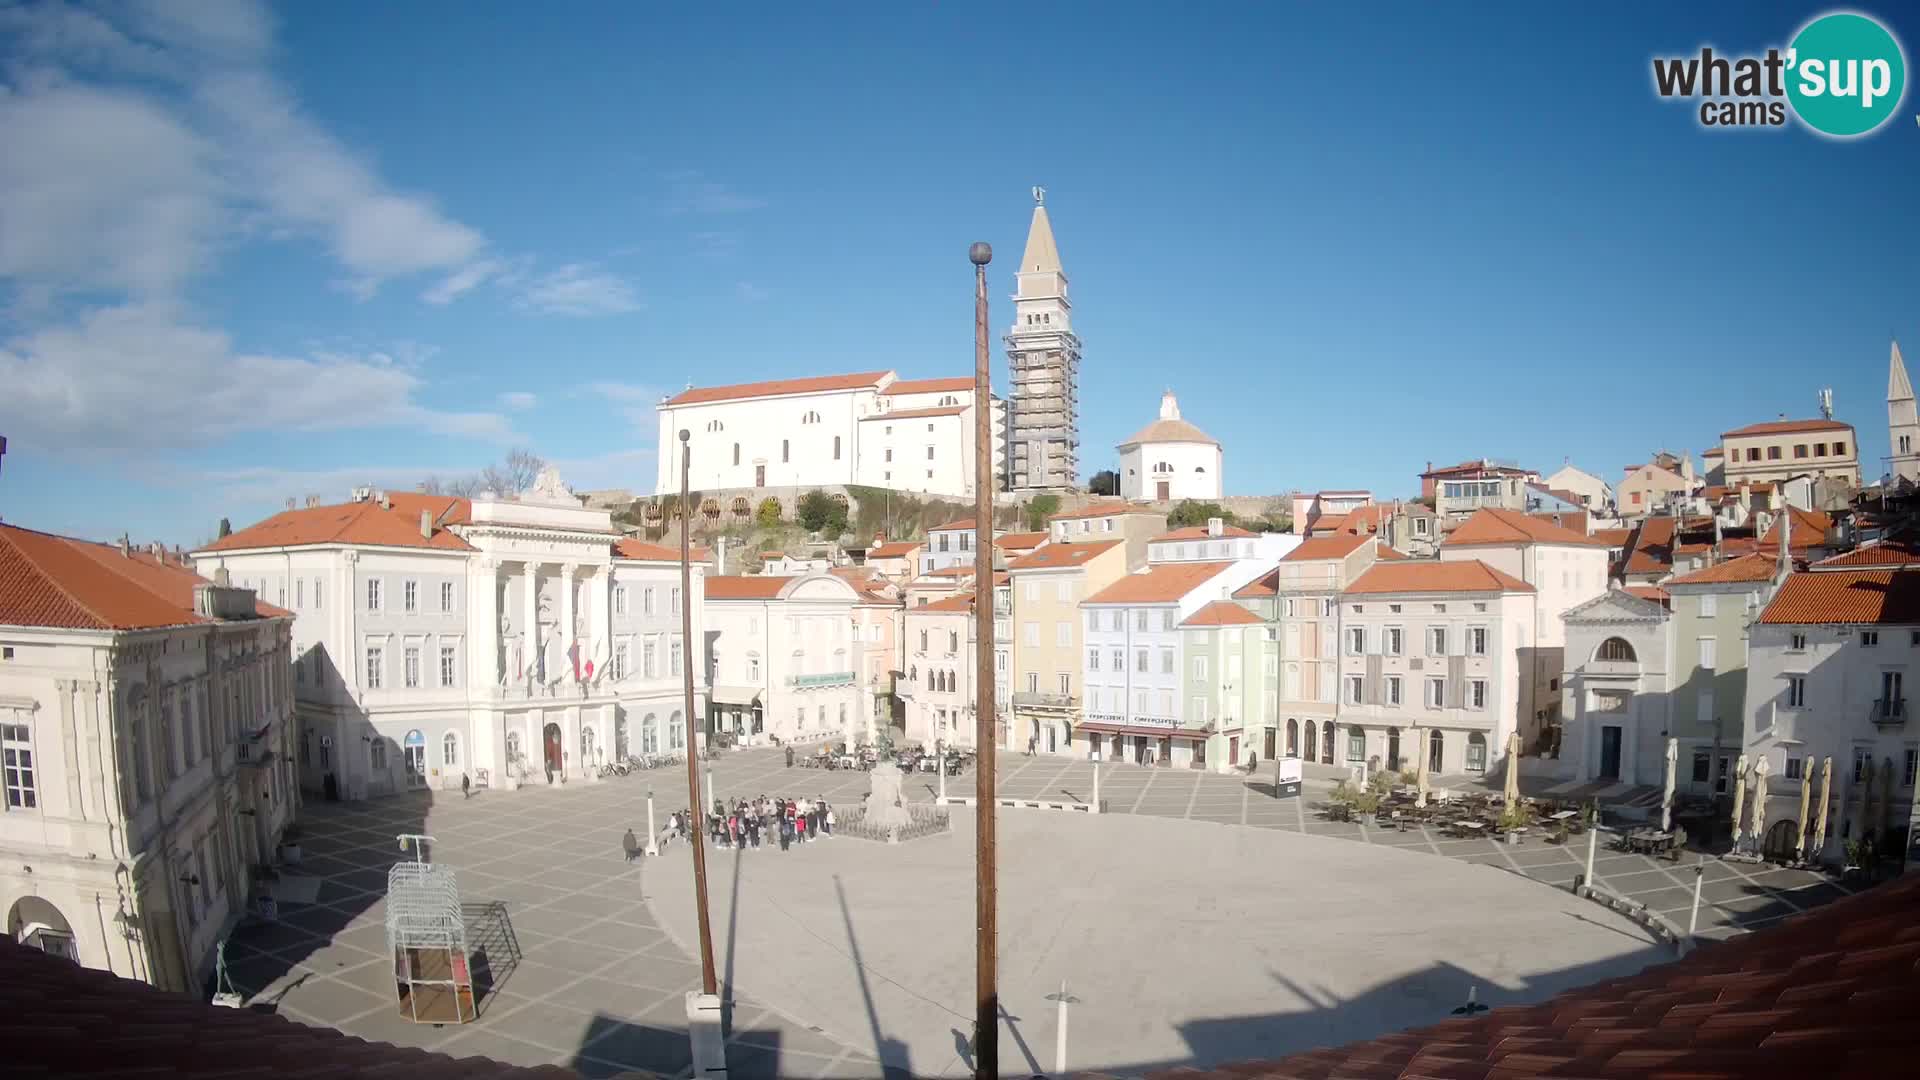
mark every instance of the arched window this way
{"type": "Point", "coordinates": [1313, 745]}
{"type": "Point", "coordinates": [913, 673]}
{"type": "Point", "coordinates": [676, 731]}
{"type": "Point", "coordinates": [715, 425]}
{"type": "Point", "coordinates": [736, 453]}
{"type": "Point", "coordinates": [1199, 468]}
{"type": "Point", "coordinates": [1293, 737]}
{"type": "Point", "coordinates": [586, 746]}
{"type": "Point", "coordinates": [810, 417]}
{"type": "Point", "coordinates": [740, 507]}
{"type": "Point", "coordinates": [1616, 649]}
{"type": "Point", "coordinates": [619, 738]}
{"type": "Point", "coordinates": [450, 749]}
{"type": "Point", "coordinates": [1476, 752]}
{"type": "Point", "coordinates": [836, 448]}
{"type": "Point", "coordinates": [711, 509]}
{"type": "Point", "coordinates": [1436, 750]}
{"type": "Point", "coordinates": [513, 746]}
{"type": "Point", "coordinates": [650, 734]}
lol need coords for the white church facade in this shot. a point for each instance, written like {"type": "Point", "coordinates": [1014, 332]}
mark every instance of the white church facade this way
{"type": "Point", "coordinates": [1170, 459]}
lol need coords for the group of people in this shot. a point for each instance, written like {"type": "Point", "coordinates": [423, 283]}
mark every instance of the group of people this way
{"type": "Point", "coordinates": [751, 823]}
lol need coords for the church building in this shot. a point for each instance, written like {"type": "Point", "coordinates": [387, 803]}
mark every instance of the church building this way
{"type": "Point", "coordinates": [1170, 459]}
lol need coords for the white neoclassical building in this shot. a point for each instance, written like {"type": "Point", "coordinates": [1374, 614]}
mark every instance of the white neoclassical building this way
{"type": "Point", "coordinates": [1170, 459]}
{"type": "Point", "coordinates": [1617, 692]}
{"type": "Point", "coordinates": [143, 721]}
{"type": "Point", "coordinates": [869, 427]}
{"type": "Point", "coordinates": [512, 639]}
{"type": "Point", "coordinates": [789, 665]}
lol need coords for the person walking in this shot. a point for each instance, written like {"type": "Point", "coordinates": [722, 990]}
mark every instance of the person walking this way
{"type": "Point", "coordinates": [789, 757]}
{"type": "Point", "coordinates": [784, 825]}
{"type": "Point", "coordinates": [1253, 761]}
{"type": "Point", "coordinates": [827, 820]}
{"type": "Point", "coordinates": [1033, 743]}
{"type": "Point", "coordinates": [630, 844]}
{"type": "Point", "coordinates": [466, 791]}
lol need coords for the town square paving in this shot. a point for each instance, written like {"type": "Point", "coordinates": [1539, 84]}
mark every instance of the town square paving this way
{"type": "Point", "coordinates": [1186, 941]}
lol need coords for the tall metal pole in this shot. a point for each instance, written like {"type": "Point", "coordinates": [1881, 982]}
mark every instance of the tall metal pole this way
{"type": "Point", "coordinates": [708, 984]}
{"type": "Point", "coordinates": [986, 1020]}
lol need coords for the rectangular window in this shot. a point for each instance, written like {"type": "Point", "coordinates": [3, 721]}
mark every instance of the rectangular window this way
{"type": "Point", "coordinates": [410, 595]}
{"type": "Point", "coordinates": [1166, 661]}
{"type": "Point", "coordinates": [1436, 693]}
{"type": "Point", "coordinates": [446, 665]}
{"type": "Point", "coordinates": [299, 592]}
{"type": "Point", "coordinates": [1799, 450]}
{"type": "Point", "coordinates": [1063, 591]}
{"type": "Point", "coordinates": [619, 599]}
{"type": "Point", "coordinates": [1797, 641]}
{"type": "Point", "coordinates": [1093, 659]}
{"type": "Point", "coordinates": [1357, 641]}
{"type": "Point", "coordinates": [646, 601]}
{"type": "Point", "coordinates": [1707, 605]}
{"type": "Point", "coordinates": [16, 750]}
{"type": "Point", "coordinates": [373, 594]}
{"type": "Point", "coordinates": [1393, 690]}
{"type": "Point", "coordinates": [1066, 683]}
{"type": "Point", "coordinates": [1033, 682]}
{"type": "Point", "coordinates": [1476, 693]}
{"type": "Point", "coordinates": [1063, 633]}
{"type": "Point", "coordinates": [376, 666]}
{"type": "Point", "coordinates": [1199, 667]}
{"type": "Point", "coordinates": [1030, 633]}
{"type": "Point", "coordinates": [1393, 641]}
{"type": "Point", "coordinates": [446, 596]}
{"type": "Point", "coordinates": [785, 448]}
{"type": "Point", "coordinates": [1437, 641]}
{"type": "Point", "coordinates": [1140, 661]}
{"type": "Point", "coordinates": [1710, 653]}
{"type": "Point", "coordinates": [1869, 638]}
{"type": "Point", "coordinates": [674, 595]}
{"type": "Point", "coordinates": [1913, 761]}
{"type": "Point", "coordinates": [1354, 685]}
{"type": "Point", "coordinates": [1839, 448]}
{"type": "Point", "coordinates": [1477, 641]}
{"type": "Point", "coordinates": [1796, 691]}
{"type": "Point", "coordinates": [1356, 745]}
{"type": "Point", "coordinates": [1140, 620]}
{"type": "Point", "coordinates": [1702, 766]}
{"type": "Point", "coordinates": [649, 660]}
{"type": "Point", "coordinates": [1796, 767]}
{"type": "Point", "coordinates": [410, 666]}
{"type": "Point", "coordinates": [1773, 453]}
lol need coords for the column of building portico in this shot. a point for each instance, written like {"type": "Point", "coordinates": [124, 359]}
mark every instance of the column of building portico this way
{"type": "Point", "coordinates": [564, 640]}
{"type": "Point", "coordinates": [597, 650]}
{"type": "Point", "coordinates": [487, 741]}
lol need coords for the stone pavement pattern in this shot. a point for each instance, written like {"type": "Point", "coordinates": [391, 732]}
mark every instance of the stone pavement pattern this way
{"type": "Point", "coordinates": [584, 976]}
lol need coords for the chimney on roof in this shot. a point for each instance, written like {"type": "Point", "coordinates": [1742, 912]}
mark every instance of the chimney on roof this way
{"type": "Point", "coordinates": [426, 524]}
{"type": "Point", "coordinates": [1216, 527]}
{"type": "Point", "coordinates": [221, 577]}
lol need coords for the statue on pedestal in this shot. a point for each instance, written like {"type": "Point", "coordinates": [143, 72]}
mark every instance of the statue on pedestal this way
{"type": "Point", "coordinates": [885, 808]}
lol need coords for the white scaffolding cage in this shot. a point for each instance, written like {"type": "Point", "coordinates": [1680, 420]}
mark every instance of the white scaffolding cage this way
{"type": "Point", "coordinates": [427, 938]}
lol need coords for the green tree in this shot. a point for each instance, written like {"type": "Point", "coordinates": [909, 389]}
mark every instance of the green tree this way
{"type": "Point", "coordinates": [1040, 508]}
{"type": "Point", "coordinates": [769, 514]}
{"type": "Point", "coordinates": [1104, 482]}
{"type": "Point", "coordinates": [1189, 512]}
{"type": "Point", "coordinates": [821, 512]}
{"type": "Point", "coordinates": [226, 528]}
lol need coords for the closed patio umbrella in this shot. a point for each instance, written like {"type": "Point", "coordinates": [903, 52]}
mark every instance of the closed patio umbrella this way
{"type": "Point", "coordinates": [1806, 792]}
{"type": "Point", "coordinates": [1513, 768]}
{"type": "Point", "coordinates": [1886, 796]}
{"type": "Point", "coordinates": [1760, 770]}
{"type": "Point", "coordinates": [1739, 795]}
{"type": "Point", "coordinates": [1420, 765]}
{"type": "Point", "coordinates": [1820, 817]}
{"type": "Point", "coordinates": [1861, 823]}
{"type": "Point", "coordinates": [1666, 796]}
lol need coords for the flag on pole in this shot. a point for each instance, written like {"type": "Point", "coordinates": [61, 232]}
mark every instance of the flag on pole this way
{"type": "Point", "coordinates": [573, 654]}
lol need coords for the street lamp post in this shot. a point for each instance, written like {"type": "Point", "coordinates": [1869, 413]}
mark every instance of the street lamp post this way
{"type": "Point", "coordinates": [986, 1050]}
{"type": "Point", "coordinates": [704, 1025]}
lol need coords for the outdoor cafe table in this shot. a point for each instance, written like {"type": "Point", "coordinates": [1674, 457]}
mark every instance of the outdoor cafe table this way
{"type": "Point", "coordinates": [1563, 815]}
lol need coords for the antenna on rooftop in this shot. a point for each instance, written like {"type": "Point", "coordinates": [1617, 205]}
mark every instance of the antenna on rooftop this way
{"type": "Point", "coordinates": [1826, 403]}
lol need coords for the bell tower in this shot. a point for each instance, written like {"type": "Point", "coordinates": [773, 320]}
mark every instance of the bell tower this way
{"type": "Point", "coordinates": [1903, 425]}
{"type": "Point", "coordinates": [1043, 357]}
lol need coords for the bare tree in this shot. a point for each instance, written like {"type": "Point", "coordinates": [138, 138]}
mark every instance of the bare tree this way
{"type": "Point", "coordinates": [510, 477]}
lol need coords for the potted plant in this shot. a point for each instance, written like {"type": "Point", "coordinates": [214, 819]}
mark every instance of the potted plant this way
{"type": "Point", "coordinates": [1367, 804]}
{"type": "Point", "coordinates": [290, 852]}
{"type": "Point", "coordinates": [1513, 819]}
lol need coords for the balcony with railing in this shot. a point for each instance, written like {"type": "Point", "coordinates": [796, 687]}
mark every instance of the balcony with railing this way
{"type": "Point", "coordinates": [1035, 699]}
{"type": "Point", "coordinates": [823, 680]}
{"type": "Point", "coordinates": [1888, 712]}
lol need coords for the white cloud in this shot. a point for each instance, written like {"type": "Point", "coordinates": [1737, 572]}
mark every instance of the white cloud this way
{"type": "Point", "coordinates": [518, 400]}
{"type": "Point", "coordinates": [465, 280]}
{"type": "Point", "coordinates": [750, 292]}
{"type": "Point", "coordinates": [140, 377]}
{"type": "Point", "coordinates": [578, 289]}
{"type": "Point", "coordinates": [690, 192]}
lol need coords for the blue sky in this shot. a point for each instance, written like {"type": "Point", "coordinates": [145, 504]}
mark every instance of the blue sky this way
{"type": "Point", "coordinates": [248, 253]}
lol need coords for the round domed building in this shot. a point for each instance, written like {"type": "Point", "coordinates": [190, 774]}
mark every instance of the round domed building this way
{"type": "Point", "coordinates": [1170, 459]}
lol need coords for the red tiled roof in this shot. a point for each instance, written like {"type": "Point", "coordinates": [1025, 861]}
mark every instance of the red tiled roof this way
{"type": "Point", "coordinates": [59, 582]}
{"type": "Point", "coordinates": [899, 549]}
{"type": "Point", "coordinates": [1222, 613]}
{"type": "Point", "coordinates": [745, 587]}
{"type": "Point", "coordinates": [1782, 427]}
{"type": "Point", "coordinates": [1571, 520]}
{"type": "Point", "coordinates": [1492, 526]}
{"type": "Point", "coordinates": [958, 602]}
{"type": "Point", "coordinates": [1652, 547]}
{"type": "Point", "coordinates": [1103, 508]}
{"type": "Point", "coordinates": [1055, 556]}
{"type": "Point", "coordinates": [1389, 554]}
{"type": "Point", "coordinates": [360, 523]}
{"type": "Point", "coordinates": [1430, 576]}
{"type": "Point", "coordinates": [963, 523]}
{"type": "Point", "coordinates": [1162, 583]}
{"type": "Point", "coordinates": [630, 548]}
{"type": "Point", "coordinates": [960, 384]}
{"type": "Point", "coordinates": [1847, 596]}
{"type": "Point", "coordinates": [1652, 592]}
{"type": "Point", "coordinates": [1894, 551]}
{"type": "Point", "coordinates": [957, 570]}
{"type": "Point", "coordinates": [774, 387]}
{"type": "Point", "coordinates": [1477, 466]}
{"type": "Point", "coordinates": [1199, 532]}
{"type": "Point", "coordinates": [910, 414]}
{"type": "Point", "coordinates": [1338, 546]}
{"type": "Point", "coordinates": [1267, 584]}
{"type": "Point", "coordinates": [1020, 541]}
{"type": "Point", "coordinates": [1613, 537]}
{"type": "Point", "coordinates": [1809, 530]}
{"type": "Point", "coordinates": [1713, 452]}
{"type": "Point", "coordinates": [1330, 523]}
{"type": "Point", "coordinates": [1746, 568]}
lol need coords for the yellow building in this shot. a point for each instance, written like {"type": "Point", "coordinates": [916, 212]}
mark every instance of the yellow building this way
{"type": "Point", "coordinates": [1048, 586]}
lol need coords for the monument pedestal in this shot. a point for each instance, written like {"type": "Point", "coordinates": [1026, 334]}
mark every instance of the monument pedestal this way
{"type": "Point", "coordinates": [703, 1029]}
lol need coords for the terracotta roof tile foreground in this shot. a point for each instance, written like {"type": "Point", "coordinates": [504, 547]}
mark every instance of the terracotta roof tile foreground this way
{"type": "Point", "coordinates": [1848, 596]}
{"type": "Point", "coordinates": [1894, 551]}
{"type": "Point", "coordinates": [1828, 992]}
{"type": "Point", "coordinates": [359, 523]}
{"type": "Point", "coordinates": [813, 385]}
{"type": "Point", "coordinates": [59, 582]}
{"type": "Point", "coordinates": [1162, 583]}
{"type": "Point", "coordinates": [1825, 993]}
{"type": "Point", "coordinates": [1428, 576]}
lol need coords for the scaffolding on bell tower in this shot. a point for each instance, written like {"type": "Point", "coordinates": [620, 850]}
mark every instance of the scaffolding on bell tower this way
{"type": "Point", "coordinates": [1043, 361]}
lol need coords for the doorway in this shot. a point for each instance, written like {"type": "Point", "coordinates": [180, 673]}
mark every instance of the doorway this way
{"type": "Point", "coordinates": [414, 752]}
{"type": "Point", "coordinates": [1313, 743]}
{"type": "Point", "coordinates": [1139, 749]}
{"type": "Point", "coordinates": [554, 763]}
{"type": "Point", "coordinates": [1436, 751]}
{"type": "Point", "coordinates": [759, 476]}
{"type": "Point", "coordinates": [1393, 749]}
{"type": "Point", "coordinates": [1162, 491]}
{"type": "Point", "coordinates": [1610, 752]}
{"type": "Point", "coordinates": [1233, 749]}
{"type": "Point", "coordinates": [1273, 739]}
